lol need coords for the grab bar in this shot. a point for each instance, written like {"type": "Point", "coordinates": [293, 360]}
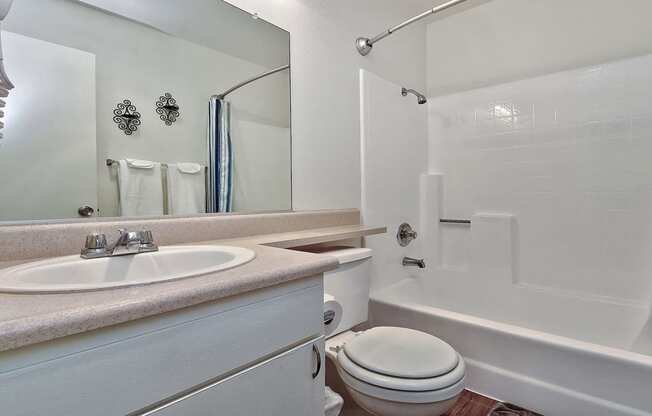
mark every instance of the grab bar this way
{"type": "Point", "coordinates": [451, 221]}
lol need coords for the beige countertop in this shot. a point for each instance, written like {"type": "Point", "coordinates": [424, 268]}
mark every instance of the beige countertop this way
{"type": "Point", "coordinates": [27, 319]}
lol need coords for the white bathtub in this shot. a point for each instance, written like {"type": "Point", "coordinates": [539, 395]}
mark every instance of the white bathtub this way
{"type": "Point", "coordinates": [535, 367]}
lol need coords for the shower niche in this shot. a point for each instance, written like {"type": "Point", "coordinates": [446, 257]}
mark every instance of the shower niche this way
{"type": "Point", "coordinates": [147, 103]}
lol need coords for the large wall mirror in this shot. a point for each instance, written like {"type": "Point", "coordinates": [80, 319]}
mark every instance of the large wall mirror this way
{"type": "Point", "coordinates": [118, 110]}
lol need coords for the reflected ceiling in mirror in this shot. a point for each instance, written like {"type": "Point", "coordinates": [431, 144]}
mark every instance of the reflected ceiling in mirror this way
{"type": "Point", "coordinates": [143, 108]}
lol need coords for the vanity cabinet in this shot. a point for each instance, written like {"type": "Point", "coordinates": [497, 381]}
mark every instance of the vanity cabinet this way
{"type": "Point", "coordinates": [250, 354]}
{"type": "Point", "coordinates": [281, 386]}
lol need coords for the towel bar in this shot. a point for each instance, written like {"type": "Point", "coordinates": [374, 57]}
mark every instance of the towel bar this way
{"type": "Point", "coordinates": [111, 162]}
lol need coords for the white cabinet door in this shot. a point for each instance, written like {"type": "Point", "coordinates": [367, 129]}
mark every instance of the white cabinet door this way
{"type": "Point", "coordinates": [281, 386]}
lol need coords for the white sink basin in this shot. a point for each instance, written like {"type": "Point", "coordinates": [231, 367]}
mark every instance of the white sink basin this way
{"type": "Point", "coordinates": [74, 274]}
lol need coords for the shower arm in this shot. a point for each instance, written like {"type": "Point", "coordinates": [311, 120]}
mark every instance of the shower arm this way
{"type": "Point", "coordinates": [364, 45]}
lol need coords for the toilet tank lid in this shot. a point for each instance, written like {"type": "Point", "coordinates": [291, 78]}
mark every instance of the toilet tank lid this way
{"type": "Point", "coordinates": [343, 254]}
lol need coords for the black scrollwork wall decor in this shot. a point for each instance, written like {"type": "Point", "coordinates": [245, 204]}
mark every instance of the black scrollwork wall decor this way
{"type": "Point", "coordinates": [126, 117]}
{"type": "Point", "coordinates": [167, 109]}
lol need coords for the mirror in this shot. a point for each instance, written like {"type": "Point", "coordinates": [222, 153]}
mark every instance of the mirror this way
{"type": "Point", "coordinates": [142, 108]}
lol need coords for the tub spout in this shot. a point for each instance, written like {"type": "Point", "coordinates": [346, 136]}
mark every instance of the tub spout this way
{"type": "Point", "coordinates": [409, 261]}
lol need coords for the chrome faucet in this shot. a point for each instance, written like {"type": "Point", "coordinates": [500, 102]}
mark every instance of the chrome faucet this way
{"type": "Point", "coordinates": [409, 261]}
{"type": "Point", "coordinates": [128, 243]}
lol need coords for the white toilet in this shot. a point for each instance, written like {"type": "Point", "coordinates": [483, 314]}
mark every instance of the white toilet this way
{"type": "Point", "coordinates": [388, 371]}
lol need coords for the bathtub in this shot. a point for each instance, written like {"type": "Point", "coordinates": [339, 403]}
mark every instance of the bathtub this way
{"type": "Point", "coordinates": [573, 357]}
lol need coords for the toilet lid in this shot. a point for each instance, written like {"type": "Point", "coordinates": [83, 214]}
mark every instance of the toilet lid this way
{"type": "Point", "coordinates": [402, 353]}
{"type": "Point", "coordinates": [413, 385]}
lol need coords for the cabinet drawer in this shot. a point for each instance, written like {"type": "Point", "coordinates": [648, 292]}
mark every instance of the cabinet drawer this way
{"type": "Point", "coordinates": [281, 386]}
{"type": "Point", "coordinates": [135, 372]}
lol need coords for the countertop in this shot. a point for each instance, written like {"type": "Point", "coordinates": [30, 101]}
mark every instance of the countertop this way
{"type": "Point", "coordinates": [27, 319]}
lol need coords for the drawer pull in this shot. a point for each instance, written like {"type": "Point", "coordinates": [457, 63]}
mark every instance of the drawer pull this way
{"type": "Point", "coordinates": [315, 350]}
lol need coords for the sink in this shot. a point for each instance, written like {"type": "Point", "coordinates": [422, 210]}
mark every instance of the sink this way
{"type": "Point", "coordinates": [74, 274]}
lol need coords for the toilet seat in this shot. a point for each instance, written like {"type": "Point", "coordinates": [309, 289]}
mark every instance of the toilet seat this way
{"type": "Point", "coordinates": [412, 397]}
{"type": "Point", "coordinates": [402, 353]}
{"type": "Point", "coordinates": [402, 384]}
{"type": "Point", "coordinates": [401, 365]}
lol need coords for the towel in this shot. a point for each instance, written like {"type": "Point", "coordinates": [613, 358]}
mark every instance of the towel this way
{"type": "Point", "coordinates": [141, 188]}
{"type": "Point", "coordinates": [186, 188]}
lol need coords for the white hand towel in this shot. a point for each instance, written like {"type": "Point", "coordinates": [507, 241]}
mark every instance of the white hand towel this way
{"type": "Point", "coordinates": [141, 164]}
{"type": "Point", "coordinates": [186, 188]}
{"type": "Point", "coordinates": [141, 188]}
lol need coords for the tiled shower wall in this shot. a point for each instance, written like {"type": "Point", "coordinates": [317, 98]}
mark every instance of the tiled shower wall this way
{"type": "Point", "coordinates": [570, 156]}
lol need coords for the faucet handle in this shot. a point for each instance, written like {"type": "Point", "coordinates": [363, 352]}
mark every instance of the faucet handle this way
{"type": "Point", "coordinates": [95, 241]}
{"type": "Point", "coordinates": [95, 246]}
{"type": "Point", "coordinates": [146, 237]}
{"type": "Point", "coordinates": [147, 241]}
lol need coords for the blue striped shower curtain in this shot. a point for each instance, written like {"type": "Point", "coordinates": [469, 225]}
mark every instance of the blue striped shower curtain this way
{"type": "Point", "coordinates": [221, 157]}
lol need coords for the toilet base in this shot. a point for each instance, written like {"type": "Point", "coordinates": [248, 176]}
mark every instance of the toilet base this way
{"type": "Point", "coordinates": [380, 407]}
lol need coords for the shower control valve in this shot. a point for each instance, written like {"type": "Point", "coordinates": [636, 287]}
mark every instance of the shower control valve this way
{"type": "Point", "coordinates": [405, 234]}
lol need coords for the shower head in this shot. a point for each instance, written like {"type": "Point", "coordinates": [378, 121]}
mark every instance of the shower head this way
{"type": "Point", "coordinates": [421, 99]}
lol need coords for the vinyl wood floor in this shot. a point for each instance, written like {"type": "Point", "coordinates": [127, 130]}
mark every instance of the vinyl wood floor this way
{"type": "Point", "coordinates": [469, 404]}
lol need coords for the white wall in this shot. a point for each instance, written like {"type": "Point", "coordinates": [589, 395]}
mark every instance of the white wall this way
{"type": "Point", "coordinates": [394, 143]}
{"type": "Point", "coordinates": [325, 102]}
{"type": "Point", "coordinates": [47, 158]}
{"type": "Point", "coordinates": [260, 169]}
{"type": "Point", "coordinates": [325, 85]}
{"type": "Point", "coordinates": [567, 153]}
{"type": "Point", "coordinates": [505, 40]}
{"type": "Point", "coordinates": [214, 25]}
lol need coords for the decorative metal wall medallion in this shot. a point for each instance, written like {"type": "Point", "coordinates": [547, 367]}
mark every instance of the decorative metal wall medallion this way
{"type": "Point", "coordinates": [167, 109]}
{"type": "Point", "coordinates": [126, 117]}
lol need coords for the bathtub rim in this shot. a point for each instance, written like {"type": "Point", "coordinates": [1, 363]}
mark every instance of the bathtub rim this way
{"type": "Point", "coordinates": [522, 333]}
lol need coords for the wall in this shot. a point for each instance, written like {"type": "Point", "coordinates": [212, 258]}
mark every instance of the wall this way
{"type": "Point", "coordinates": [137, 62]}
{"type": "Point", "coordinates": [325, 64]}
{"type": "Point", "coordinates": [266, 148]}
{"type": "Point", "coordinates": [565, 153]}
{"type": "Point", "coordinates": [394, 143]}
{"type": "Point", "coordinates": [325, 85]}
{"type": "Point", "coordinates": [505, 40]}
{"type": "Point", "coordinates": [214, 24]}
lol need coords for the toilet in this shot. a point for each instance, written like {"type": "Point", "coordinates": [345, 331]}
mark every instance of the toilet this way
{"type": "Point", "coordinates": [388, 371]}
{"type": "Point", "coordinates": [391, 371]}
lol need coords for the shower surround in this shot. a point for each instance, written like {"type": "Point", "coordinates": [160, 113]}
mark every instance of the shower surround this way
{"type": "Point", "coordinates": [547, 293]}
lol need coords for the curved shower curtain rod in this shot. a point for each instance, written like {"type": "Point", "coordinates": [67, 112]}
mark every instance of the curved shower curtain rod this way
{"type": "Point", "coordinates": [249, 81]}
{"type": "Point", "coordinates": [364, 45]}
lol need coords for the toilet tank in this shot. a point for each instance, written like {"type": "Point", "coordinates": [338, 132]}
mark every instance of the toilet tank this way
{"type": "Point", "coordinates": [349, 283]}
